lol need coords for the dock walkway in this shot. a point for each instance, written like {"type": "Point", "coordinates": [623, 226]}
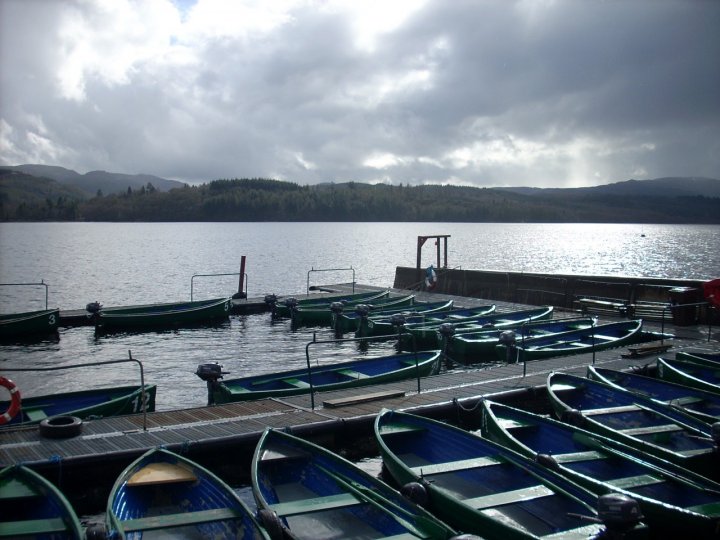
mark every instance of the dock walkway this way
{"type": "Point", "coordinates": [111, 443]}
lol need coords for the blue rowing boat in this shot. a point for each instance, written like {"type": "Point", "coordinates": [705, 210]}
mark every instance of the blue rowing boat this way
{"type": "Point", "coordinates": [584, 340]}
{"type": "Point", "coordinates": [702, 375]}
{"type": "Point", "coordinates": [674, 503]}
{"type": "Point", "coordinates": [699, 403]}
{"type": "Point", "coordinates": [481, 487]}
{"type": "Point", "coordinates": [163, 492]}
{"type": "Point", "coordinates": [364, 372]}
{"type": "Point", "coordinates": [32, 507]}
{"type": "Point", "coordinates": [314, 494]}
{"type": "Point", "coordinates": [386, 322]}
{"type": "Point", "coordinates": [636, 421]}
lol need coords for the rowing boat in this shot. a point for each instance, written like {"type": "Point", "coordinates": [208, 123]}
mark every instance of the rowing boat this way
{"type": "Point", "coordinates": [164, 493]}
{"type": "Point", "coordinates": [698, 357]}
{"type": "Point", "coordinates": [84, 404]}
{"type": "Point", "coordinates": [156, 316]}
{"type": "Point", "coordinates": [323, 315]}
{"type": "Point", "coordinates": [337, 376]}
{"type": "Point", "coordinates": [429, 335]}
{"type": "Point", "coordinates": [315, 494]}
{"type": "Point", "coordinates": [29, 323]}
{"type": "Point", "coordinates": [479, 486]}
{"type": "Point", "coordinates": [674, 503]}
{"type": "Point", "coordinates": [704, 376]}
{"type": "Point", "coordinates": [636, 421]}
{"type": "Point", "coordinates": [480, 346]}
{"type": "Point", "coordinates": [433, 319]}
{"type": "Point", "coordinates": [349, 321]}
{"type": "Point", "coordinates": [32, 507]}
{"type": "Point", "coordinates": [285, 308]}
{"type": "Point", "coordinates": [595, 338]}
{"type": "Point", "coordinates": [386, 322]}
{"type": "Point", "coordinates": [699, 403]}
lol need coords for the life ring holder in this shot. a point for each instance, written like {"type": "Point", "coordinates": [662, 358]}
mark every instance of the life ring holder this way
{"type": "Point", "coordinates": [430, 278]}
{"type": "Point", "coordinates": [15, 401]}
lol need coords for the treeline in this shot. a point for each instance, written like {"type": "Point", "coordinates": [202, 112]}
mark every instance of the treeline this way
{"type": "Point", "coordinates": [272, 200]}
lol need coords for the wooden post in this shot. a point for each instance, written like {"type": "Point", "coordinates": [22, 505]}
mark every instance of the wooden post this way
{"type": "Point", "coordinates": [241, 284]}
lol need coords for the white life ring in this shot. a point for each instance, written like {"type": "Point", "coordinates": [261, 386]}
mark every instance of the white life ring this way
{"type": "Point", "coordinates": [15, 401]}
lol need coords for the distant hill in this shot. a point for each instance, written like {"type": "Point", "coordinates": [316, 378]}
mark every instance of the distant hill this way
{"type": "Point", "coordinates": [89, 183]}
{"type": "Point", "coordinates": [658, 187]}
{"type": "Point", "coordinates": [63, 194]}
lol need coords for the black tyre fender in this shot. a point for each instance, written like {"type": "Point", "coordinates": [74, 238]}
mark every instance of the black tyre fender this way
{"type": "Point", "coordinates": [415, 492]}
{"type": "Point", "coordinates": [272, 524]}
{"type": "Point", "coordinates": [60, 427]}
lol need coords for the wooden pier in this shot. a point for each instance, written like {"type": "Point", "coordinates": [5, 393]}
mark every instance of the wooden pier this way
{"type": "Point", "coordinates": [223, 437]}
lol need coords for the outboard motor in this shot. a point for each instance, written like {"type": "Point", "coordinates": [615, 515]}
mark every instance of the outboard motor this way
{"type": "Point", "coordinates": [93, 311]}
{"type": "Point", "coordinates": [446, 331]}
{"type": "Point", "coordinates": [210, 373]}
{"type": "Point", "coordinates": [362, 310]}
{"type": "Point", "coordinates": [291, 303]}
{"type": "Point", "coordinates": [619, 513]}
{"type": "Point", "coordinates": [271, 301]}
{"type": "Point", "coordinates": [336, 308]}
{"type": "Point", "coordinates": [509, 339]}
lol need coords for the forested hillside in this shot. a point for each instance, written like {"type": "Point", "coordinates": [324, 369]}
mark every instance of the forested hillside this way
{"type": "Point", "coordinates": [272, 200]}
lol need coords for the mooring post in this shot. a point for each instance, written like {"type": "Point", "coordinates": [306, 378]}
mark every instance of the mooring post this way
{"type": "Point", "coordinates": [241, 284]}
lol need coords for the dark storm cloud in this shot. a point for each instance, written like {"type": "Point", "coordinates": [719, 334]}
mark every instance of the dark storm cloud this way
{"type": "Point", "coordinates": [484, 93]}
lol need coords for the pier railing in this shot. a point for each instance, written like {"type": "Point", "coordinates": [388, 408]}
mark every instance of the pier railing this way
{"type": "Point", "coordinates": [41, 284]}
{"type": "Point", "coordinates": [143, 395]}
{"type": "Point", "coordinates": [192, 281]}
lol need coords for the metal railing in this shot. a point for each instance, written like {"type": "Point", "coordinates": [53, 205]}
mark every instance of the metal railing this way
{"type": "Point", "coordinates": [675, 306]}
{"type": "Point", "coordinates": [192, 280]}
{"type": "Point", "coordinates": [313, 269]}
{"type": "Point", "coordinates": [143, 396]}
{"type": "Point", "coordinates": [42, 283]}
{"type": "Point", "coordinates": [344, 340]}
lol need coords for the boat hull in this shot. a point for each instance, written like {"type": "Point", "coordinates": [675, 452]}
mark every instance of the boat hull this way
{"type": "Point", "coordinates": [31, 323]}
{"type": "Point", "coordinates": [330, 377]}
{"type": "Point", "coordinates": [160, 316]}
{"type": "Point", "coordinates": [168, 493]}
{"type": "Point", "coordinates": [97, 403]}
{"type": "Point", "coordinates": [318, 495]}
{"type": "Point", "coordinates": [674, 502]}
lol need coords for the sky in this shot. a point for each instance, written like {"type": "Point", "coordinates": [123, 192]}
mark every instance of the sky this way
{"type": "Point", "coordinates": [544, 93]}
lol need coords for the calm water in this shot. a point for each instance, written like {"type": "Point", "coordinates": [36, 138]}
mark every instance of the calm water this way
{"type": "Point", "coordinates": [136, 263]}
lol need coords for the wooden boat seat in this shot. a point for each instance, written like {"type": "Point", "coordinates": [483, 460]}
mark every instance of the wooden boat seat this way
{"type": "Point", "coordinates": [16, 489]}
{"type": "Point", "coordinates": [180, 520]}
{"type": "Point", "coordinates": [315, 504]}
{"type": "Point", "coordinates": [35, 415]}
{"type": "Point", "coordinates": [647, 430]}
{"type": "Point", "coordinates": [32, 527]}
{"type": "Point", "coordinates": [575, 457]}
{"type": "Point", "coordinates": [297, 383]}
{"type": "Point", "coordinates": [452, 466]}
{"type": "Point", "coordinates": [353, 374]}
{"type": "Point", "coordinates": [609, 410]}
{"type": "Point", "coordinates": [509, 497]}
{"type": "Point", "coordinates": [161, 473]}
{"type": "Point", "coordinates": [399, 428]}
{"type": "Point", "coordinates": [631, 482]}
{"type": "Point", "coordinates": [604, 338]}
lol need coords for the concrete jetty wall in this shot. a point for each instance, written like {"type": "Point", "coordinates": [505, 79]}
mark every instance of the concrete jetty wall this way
{"type": "Point", "coordinates": [559, 290]}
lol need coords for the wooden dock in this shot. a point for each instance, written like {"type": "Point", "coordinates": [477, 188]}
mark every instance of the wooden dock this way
{"type": "Point", "coordinates": [224, 436]}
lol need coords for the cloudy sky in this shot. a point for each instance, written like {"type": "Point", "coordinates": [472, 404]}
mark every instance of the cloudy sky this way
{"type": "Point", "coordinates": [470, 92]}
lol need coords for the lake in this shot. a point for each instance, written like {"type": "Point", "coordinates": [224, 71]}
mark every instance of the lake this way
{"type": "Point", "coordinates": [138, 263]}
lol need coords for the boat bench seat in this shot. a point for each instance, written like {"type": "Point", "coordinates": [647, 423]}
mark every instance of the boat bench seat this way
{"type": "Point", "coordinates": [631, 482]}
{"type": "Point", "coordinates": [353, 374]}
{"type": "Point", "coordinates": [575, 457]}
{"type": "Point", "coordinates": [399, 428]}
{"type": "Point", "coordinates": [31, 527]}
{"type": "Point", "coordinates": [452, 466]}
{"type": "Point", "coordinates": [35, 415]}
{"type": "Point", "coordinates": [15, 489]}
{"type": "Point", "coordinates": [647, 430]}
{"type": "Point", "coordinates": [297, 383]}
{"type": "Point", "coordinates": [604, 338]}
{"type": "Point", "coordinates": [316, 504]}
{"type": "Point", "coordinates": [609, 410]}
{"type": "Point", "coordinates": [509, 497]}
{"type": "Point", "coordinates": [179, 520]}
